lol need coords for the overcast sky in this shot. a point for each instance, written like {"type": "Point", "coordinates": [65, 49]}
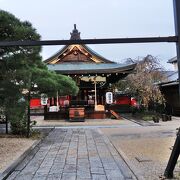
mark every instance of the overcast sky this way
{"type": "Point", "coordinates": [54, 19]}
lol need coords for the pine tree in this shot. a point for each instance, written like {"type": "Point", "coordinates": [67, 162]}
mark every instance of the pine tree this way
{"type": "Point", "coordinates": [23, 72]}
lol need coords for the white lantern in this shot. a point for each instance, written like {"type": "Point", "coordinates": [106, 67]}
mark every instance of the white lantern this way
{"type": "Point", "coordinates": [44, 99]}
{"type": "Point", "coordinates": [109, 97]}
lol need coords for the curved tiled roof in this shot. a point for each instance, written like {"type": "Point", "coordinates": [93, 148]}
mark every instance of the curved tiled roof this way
{"type": "Point", "coordinates": [88, 68]}
{"type": "Point", "coordinates": [56, 54]}
{"type": "Point", "coordinates": [88, 49]}
{"type": "Point", "coordinates": [101, 66]}
{"type": "Point", "coordinates": [76, 35]}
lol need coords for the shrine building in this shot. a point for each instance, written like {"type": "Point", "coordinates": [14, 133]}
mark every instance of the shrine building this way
{"type": "Point", "coordinates": [93, 74]}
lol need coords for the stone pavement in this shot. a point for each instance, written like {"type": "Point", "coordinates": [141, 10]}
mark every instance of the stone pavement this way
{"type": "Point", "coordinates": [73, 154]}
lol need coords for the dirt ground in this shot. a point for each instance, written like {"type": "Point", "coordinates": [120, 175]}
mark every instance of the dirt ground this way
{"type": "Point", "coordinates": [11, 149]}
{"type": "Point", "coordinates": [147, 148]}
{"type": "Point", "coordinates": [88, 122]}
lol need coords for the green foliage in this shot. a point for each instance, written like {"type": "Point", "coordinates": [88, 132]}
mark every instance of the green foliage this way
{"type": "Point", "coordinates": [147, 117]}
{"type": "Point", "coordinates": [49, 82]}
{"type": "Point", "coordinates": [23, 71]}
{"type": "Point", "coordinates": [134, 110]}
{"type": "Point", "coordinates": [36, 134]}
{"type": "Point", "coordinates": [113, 117]}
{"type": "Point", "coordinates": [18, 117]}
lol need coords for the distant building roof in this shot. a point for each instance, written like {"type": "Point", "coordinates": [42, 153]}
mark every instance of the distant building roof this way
{"type": "Point", "coordinates": [173, 83]}
{"type": "Point", "coordinates": [171, 78]}
{"type": "Point", "coordinates": [172, 60]}
{"type": "Point", "coordinates": [170, 75]}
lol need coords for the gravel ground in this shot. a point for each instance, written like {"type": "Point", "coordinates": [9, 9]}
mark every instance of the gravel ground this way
{"type": "Point", "coordinates": [88, 122]}
{"type": "Point", "coordinates": [11, 149]}
{"type": "Point", "coordinates": [149, 156]}
{"type": "Point", "coordinates": [147, 148]}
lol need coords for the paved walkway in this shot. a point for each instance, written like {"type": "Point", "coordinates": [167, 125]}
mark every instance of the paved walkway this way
{"type": "Point", "coordinates": [74, 154]}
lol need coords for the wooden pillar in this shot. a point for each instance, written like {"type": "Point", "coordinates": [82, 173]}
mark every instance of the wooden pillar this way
{"type": "Point", "coordinates": [95, 103]}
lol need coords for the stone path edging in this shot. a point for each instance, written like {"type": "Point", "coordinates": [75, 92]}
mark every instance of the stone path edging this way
{"type": "Point", "coordinates": [31, 150]}
{"type": "Point", "coordinates": [124, 157]}
{"type": "Point", "coordinates": [140, 122]}
{"type": "Point", "coordinates": [121, 153]}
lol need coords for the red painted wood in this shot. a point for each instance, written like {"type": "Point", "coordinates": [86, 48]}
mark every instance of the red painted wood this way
{"type": "Point", "coordinates": [123, 100]}
{"type": "Point", "coordinates": [35, 102]}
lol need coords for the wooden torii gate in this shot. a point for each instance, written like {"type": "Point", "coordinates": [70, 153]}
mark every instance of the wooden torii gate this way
{"type": "Point", "coordinates": [171, 39]}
